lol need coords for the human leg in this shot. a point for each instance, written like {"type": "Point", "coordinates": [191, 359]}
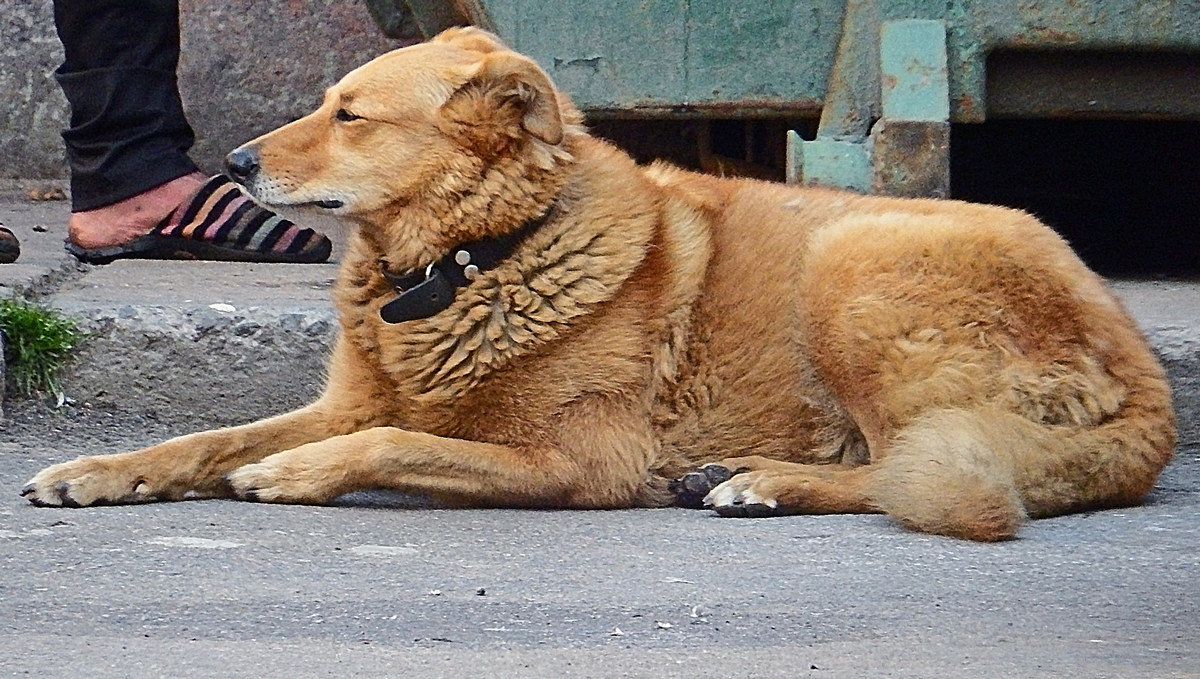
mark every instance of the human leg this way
{"type": "Point", "coordinates": [131, 179]}
{"type": "Point", "coordinates": [128, 133]}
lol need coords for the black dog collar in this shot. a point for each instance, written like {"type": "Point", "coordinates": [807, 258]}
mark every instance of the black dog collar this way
{"type": "Point", "coordinates": [425, 292]}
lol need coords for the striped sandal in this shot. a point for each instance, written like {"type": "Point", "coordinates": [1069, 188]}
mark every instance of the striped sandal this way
{"type": "Point", "coordinates": [219, 223]}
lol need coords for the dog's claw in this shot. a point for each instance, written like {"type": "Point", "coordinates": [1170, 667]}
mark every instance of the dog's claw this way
{"type": "Point", "coordinates": [248, 494]}
{"type": "Point", "coordinates": [28, 489]}
{"type": "Point", "coordinates": [37, 501]}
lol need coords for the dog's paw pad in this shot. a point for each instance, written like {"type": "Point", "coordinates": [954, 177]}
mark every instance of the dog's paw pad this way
{"type": "Point", "coordinates": [742, 510]}
{"type": "Point", "coordinates": [691, 488]}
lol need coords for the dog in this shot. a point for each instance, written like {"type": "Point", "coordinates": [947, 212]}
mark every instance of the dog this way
{"type": "Point", "coordinates": [530, 319]}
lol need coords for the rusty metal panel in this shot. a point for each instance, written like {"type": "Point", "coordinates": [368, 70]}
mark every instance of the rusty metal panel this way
{"type": "Point", "coordinates": [911, 158]}
{"type": "Point", "coordinates": [979, 27]}
{"type": "Point", "coordinates": [772, 53]}
{"type": "Point", "coordinates": [910, 154]}
{"type": "Point", "coordinates": [605, 54]}
{"type": "Point", "coordinates": [675, 57]}
{"type": "Point", "coordinates": [740, 58]}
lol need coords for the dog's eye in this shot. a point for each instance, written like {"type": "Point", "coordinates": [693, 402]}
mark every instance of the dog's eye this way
{"type": "Point", "coordinates": [345, 116]}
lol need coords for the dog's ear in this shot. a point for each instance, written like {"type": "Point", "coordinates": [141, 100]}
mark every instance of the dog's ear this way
{"type": "Point", "coordinates": [507, 93]}
{"type": "Point", "coordinates": [470, 38]}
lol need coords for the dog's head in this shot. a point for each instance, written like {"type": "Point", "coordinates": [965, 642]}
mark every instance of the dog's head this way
{"type": "Point", "coordinates": [414, 125]}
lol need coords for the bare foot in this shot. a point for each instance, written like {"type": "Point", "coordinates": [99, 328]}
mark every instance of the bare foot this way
{"type": "Point", "coordinates": [135, 216]}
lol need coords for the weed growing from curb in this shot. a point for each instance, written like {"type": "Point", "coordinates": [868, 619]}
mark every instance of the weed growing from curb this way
{"type": "Point", "coordinates": [39, 343]}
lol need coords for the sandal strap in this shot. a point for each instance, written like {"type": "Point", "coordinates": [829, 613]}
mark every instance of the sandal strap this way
{"type": "Point", "coordinates": [221, 214]}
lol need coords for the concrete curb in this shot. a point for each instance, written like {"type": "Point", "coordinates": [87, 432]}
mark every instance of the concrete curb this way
{"type": "Point", "coordinates": [210, 342]}
{"type": "Point", "coordinates": [1169, 314]}
{"type": "Point", "coordinates": [215, 342]}
{"type": "Point", "coordinates": [1180, 355]}
{"type": "Point", "coordinates": [211, 366]}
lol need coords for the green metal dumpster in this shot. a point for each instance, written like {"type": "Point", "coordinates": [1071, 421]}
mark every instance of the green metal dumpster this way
{"type": "Point", "coordinates": [886, 77]}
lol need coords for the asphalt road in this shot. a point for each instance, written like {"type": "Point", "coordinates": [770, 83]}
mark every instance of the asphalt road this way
{"type": "Point", "coordinates": [377, 589]}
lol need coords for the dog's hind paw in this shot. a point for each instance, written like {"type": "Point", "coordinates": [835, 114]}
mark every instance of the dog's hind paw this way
{"type": "Point", "coordinates": [691, 488]}
{"type": "Point", "coordinates": [738, 497]}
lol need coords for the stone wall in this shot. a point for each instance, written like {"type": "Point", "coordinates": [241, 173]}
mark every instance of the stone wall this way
{"type": "Point", "coordinates": [247, 66]}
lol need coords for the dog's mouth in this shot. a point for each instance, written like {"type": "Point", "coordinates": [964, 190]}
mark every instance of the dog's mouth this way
{"type": "Point", "coordinates": [272, 195]}
{"type": "Point", "coordinates": [323, 204]}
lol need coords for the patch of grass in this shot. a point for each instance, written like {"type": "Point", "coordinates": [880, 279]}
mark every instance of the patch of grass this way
{"type": "Point", "coordinates": [39, 343]}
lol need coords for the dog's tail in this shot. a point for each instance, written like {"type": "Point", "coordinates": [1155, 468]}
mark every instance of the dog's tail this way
{"type": "Point", "coordinates": [943, 474]}
{"type": "Point", "coordinates": [979, 473]}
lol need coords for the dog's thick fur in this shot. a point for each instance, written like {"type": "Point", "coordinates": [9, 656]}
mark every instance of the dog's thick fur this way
{"type": "Point", "coordinates": [952, 365]}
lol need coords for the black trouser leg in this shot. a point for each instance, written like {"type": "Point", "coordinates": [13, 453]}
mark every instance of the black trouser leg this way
{"type": "Point", "coordinates": [128, 133]}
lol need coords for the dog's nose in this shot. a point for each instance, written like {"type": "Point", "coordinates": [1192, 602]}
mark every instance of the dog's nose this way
{"type": "Point", "coordinates": [241, 164]}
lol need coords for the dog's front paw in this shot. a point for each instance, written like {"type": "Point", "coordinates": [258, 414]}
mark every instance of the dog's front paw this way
{"type": "Point", "coordinates": [691, 488]}
{"type": "Point", "coordinates": [284, 477]}
{"type": "Point", "coordinates": [743, 496]}
{"type": "Point", "coordinates": [96, 480]}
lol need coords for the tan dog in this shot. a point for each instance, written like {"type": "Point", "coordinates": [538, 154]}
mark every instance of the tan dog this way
{"type": "Point", "coordinates": [953, 365]}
